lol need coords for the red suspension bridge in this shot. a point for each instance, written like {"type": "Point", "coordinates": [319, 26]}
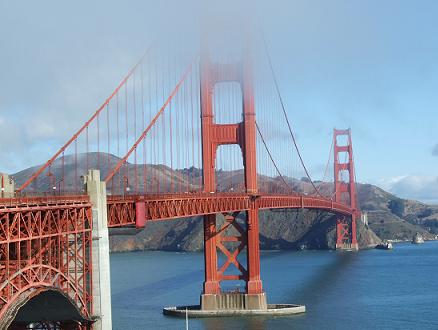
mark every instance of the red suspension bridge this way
{"type": "Point", "coordinates": [177, 138]}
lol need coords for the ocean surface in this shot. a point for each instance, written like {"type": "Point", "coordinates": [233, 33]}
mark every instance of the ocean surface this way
{"type": "Point", "coordinates": [371, 289]}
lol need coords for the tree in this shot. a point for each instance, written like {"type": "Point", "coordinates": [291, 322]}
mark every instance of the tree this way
{"type": "Point", "coordinates": [425, 213]}
{"type": "Point", "coordinates": [397, 206]}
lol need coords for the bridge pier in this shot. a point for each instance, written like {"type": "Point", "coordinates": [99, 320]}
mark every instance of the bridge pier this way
{"type": "Point", "coordinates": [100, 250]}
{"type": "Point", "coordinates": [7, 186]}
{"type": "Point", "coordinates": [346, 234]}
{"type": "Point", "coordinates": [256, 297]}
{"type": "Point", "coordinates": [212, 297]}
{"type": "Point", "coordinates": [218, 303]}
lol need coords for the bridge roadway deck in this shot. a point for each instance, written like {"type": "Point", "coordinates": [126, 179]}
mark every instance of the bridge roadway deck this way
{"type": "Point", "coordinates": [123, 210]}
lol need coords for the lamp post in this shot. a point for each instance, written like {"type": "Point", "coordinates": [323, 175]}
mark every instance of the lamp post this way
{"type": "Point", "coordinates": [126, 188]}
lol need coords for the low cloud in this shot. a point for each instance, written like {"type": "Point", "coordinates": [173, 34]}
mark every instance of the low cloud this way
{"type": "Point", "coordinates": [416, 187]}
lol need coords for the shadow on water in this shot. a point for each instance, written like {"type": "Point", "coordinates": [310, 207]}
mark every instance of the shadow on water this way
{"type": "Point", "coordinates": [319, 279]}
{"type": "Point", "coordinates": [244, 323]}
{"type": "Point", "coordinates": [312, 290]}
{"type": "Point", "coordinates": [311, 293]}
{"type": "Point", "coordinates": [326, 277]}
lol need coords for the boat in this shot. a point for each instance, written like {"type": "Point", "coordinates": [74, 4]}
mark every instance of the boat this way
{"type": "Point", "coordinates": [417, 239]}
{"type": "Point", "coordinates": [302, 247]}
{"type": "Point", "coordinates": [384, 246]}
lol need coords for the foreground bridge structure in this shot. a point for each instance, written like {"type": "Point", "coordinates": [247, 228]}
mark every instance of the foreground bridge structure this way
{"type": "Point", "coordinates": [54, 247]}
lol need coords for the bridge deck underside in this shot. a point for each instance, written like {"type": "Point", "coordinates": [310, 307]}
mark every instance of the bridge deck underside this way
{"type": "Point", "coordinates": [124, 210]}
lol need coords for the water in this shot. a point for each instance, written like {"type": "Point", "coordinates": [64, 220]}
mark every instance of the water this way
{"type": "Point", "coordinates": [371, 289]}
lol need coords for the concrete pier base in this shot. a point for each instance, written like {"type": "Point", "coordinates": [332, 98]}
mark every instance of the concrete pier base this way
{"type": "Point", "coordinates": [271, 310]}
{"type": "Point", "coordinates": [234, 304]}
{"type": "Point", "coordinates": [234, 301]}
{"type": "Point", "coordinates": [100, 249]}
{"type": "Point", "coordinates": [347, 247]}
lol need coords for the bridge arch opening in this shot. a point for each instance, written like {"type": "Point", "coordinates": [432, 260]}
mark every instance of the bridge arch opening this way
{"type": "Point", "coordinates": [342, 140]}
{"type": "Point", "coordinates": [343, 157]}
{"type": "Point", "coordinates": [229, 169]}
{"type": "Point", "coordinates": [46, 309]}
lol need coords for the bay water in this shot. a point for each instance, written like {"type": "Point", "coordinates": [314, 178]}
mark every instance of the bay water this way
{"type": "Point", "coordinates": [371, 289]}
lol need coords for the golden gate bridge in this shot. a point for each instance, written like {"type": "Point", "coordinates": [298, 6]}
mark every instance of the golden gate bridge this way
{"type": "Point", "coordinates": [160, 141]}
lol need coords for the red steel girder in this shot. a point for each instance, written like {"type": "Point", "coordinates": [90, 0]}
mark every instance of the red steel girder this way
{"type": "Point", "coordinates": [345, 191]}
{"type": "Point", "coordinates": [231, 254]}
{"type": "Point", "coordinates": [122, 209]}
{"type": "Point", "coordinates": [45, 243]}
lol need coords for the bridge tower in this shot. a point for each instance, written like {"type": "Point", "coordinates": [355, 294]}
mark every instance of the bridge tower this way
{"type": "Point", "coordinates": [244, 135]}
{"type": "Point", "coordinates": [345, 191]}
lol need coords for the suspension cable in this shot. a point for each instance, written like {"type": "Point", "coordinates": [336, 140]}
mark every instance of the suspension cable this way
{"type": "Point", "coordinates": [151, 124]}
{"type": "Point", "coordinates": [328, 162]}
{"type": "Point", "coordinates": [85, 126]}
{"type": "Point", "coordinates": [286, 117]}
{"type": "Point", "coordinates": [272, 159]}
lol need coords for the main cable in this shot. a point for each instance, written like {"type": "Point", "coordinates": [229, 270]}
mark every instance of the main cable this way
{"type": "Point", "coordinates": [272, 159]}
{"type": "Point", "coordinates": [286, 117]}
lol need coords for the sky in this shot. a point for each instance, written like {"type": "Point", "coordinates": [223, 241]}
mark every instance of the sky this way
{"type": "Point", "coordinates": [369, 65]}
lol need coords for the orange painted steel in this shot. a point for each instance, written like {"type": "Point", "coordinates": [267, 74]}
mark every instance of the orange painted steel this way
{"type": "Point", "coordinates": [83, 128]}
{"type": "Point", "coordinates": [122, 210]}
{"type": "Point", "coordinates": [345, 192]}
{"type": "Point", "coordinates": [46, 243]}
{"type": "Point", "coordinates": [242, 134]}
{"type": "Point", "coordinates": [40, 237]}
{"type": "Point", "coordinates": [225, 235]}
{"type": "Point", "coordinates": [148, 128]}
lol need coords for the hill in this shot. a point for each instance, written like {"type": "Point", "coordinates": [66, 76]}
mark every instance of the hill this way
{"type": "Point", "coordinates": [388, 216]}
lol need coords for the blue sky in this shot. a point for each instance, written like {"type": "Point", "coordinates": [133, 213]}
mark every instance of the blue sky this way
{"type": "Point", "coordinates": [371, 66]}
{"type": "Point", "coordinates": [368, 65]}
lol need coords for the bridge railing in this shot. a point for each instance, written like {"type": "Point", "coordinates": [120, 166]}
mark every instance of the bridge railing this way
{"type": "Point", "coordinates": [41, 200]}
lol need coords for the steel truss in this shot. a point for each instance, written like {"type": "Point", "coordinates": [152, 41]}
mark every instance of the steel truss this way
{"type": "Point", "coordinates": [136, 210]}
{"type": "Point", "coordinates": [45, 243]}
